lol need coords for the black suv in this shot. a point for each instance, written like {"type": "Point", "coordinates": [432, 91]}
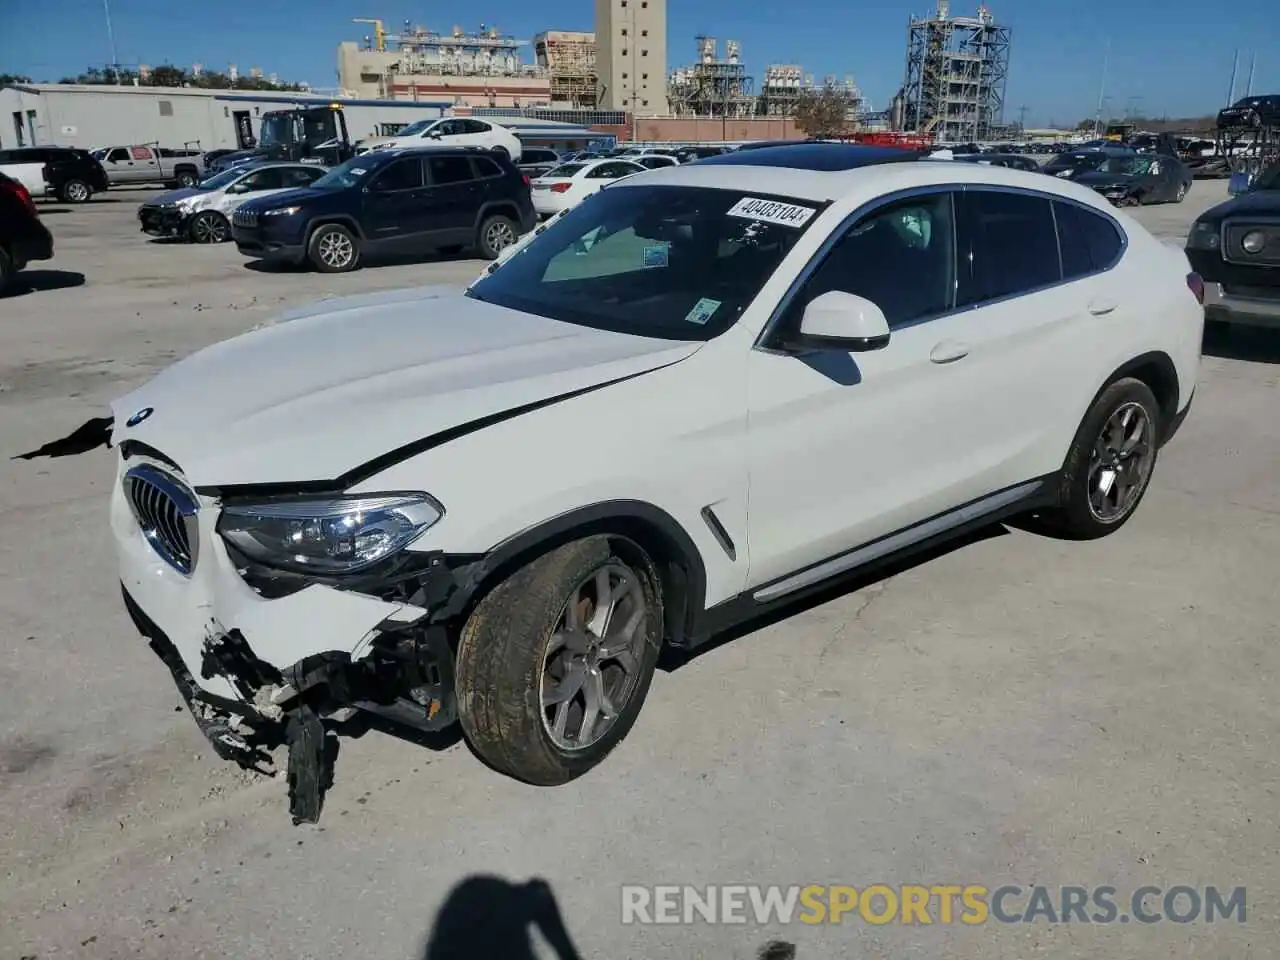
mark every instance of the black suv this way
{"type": "Point", "coordinates": [73, 175]}
{"type": "Point", "coordinates": [1252, 112]}
{"type": "Point", "coordinates": [23, 237]}
{"type": "Point", "coordinates": [385, 201]}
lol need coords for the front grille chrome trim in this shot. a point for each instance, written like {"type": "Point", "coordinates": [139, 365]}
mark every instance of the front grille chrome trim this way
{"type": "Point", "coordinates": [167, 514]}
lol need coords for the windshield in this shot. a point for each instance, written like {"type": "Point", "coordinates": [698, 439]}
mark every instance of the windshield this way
{"type": "Point", "coordinates": [1128, 166]}
{"type": "Point", "coordinates": [223, 179]}
{"type": "Point", "coordinates": [348, 174]}
{"type": "Point", "coordinates": [277, 129]}
{"type": "Point", "coordinates": [414, 129]}
{"type": "Point", "coordinates": [680, 263]}
{"type": "Point", "coordinates": [1268, 179]}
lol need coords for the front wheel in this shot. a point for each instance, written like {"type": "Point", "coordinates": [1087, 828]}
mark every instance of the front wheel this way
{"type": "Point", "coordinates": [496, 234]}
{"type": "Point", "coordinates": [209, 226]}
{"type": "Point", "coordinates": [1109, 464]}
{"type": "Point", "coordinates": [555, 662]}
{"type": "Point", "coordinates": [334, 249]}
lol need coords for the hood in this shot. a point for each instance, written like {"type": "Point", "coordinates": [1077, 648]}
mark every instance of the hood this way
{"type": "Point", "coordinates": [323, 391]}
{"type": "Point", "coordinates": [173, 196]}
{"type": "Point", "coordinates": [1101, 181]}
{"type": "Point", "coordinates": [372, 142]}
{"type": "Point", "coordinates": [1261, 202]}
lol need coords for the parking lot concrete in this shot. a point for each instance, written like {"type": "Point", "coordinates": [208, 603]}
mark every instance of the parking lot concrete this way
{"type": "Point", "coordinates": [1015, 711]}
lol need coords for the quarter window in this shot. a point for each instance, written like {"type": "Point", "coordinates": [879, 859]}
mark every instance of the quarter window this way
{"type": "Point", "coordinates": [1090, 243]}
{"type": "Point", "coordinates": [899, 257]}
{"type": "Point", "coordinates": [1010, 244]}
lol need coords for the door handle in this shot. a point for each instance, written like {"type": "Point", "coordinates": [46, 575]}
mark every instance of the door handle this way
{"type": "Point", "coordinates": [1101, 307]}
{"type": "Point", "coordinates": [949, 351]}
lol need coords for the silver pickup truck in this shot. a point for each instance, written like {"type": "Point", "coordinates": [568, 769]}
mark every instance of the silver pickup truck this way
{"type": "Point", "coordinates": [131, 165]}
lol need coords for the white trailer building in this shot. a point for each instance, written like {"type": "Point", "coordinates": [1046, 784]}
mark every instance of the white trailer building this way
{"type": "Point", "coordinates": [89, 116]}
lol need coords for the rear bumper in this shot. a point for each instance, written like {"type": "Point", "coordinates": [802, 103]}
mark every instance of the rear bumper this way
{"type": "Point", "coordinates": [1253, 310]}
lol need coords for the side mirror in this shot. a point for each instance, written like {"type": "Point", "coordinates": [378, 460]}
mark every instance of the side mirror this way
{"type": "Point", "coordinates": [842, 321]}
{"type": "Point", "coordinates": [434, 135]}
{"type": "Point", "coordinates": [237, 188]}
{"type": "Point", "coordinates": [1238, 184]}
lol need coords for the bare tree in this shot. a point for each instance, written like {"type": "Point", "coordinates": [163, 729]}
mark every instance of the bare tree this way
{"type": "Point", "coordinates": [824, 112]}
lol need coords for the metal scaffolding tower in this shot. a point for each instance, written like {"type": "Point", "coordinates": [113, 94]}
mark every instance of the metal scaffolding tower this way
{"type": "Point", "coordinates": [712, 87]}
{"type": "Point", "coordinates": [957, 68]}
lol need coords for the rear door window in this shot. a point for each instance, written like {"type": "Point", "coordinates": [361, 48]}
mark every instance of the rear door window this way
{"type": "Point", "coordinates": [446, 170]}
{"type": "Point", "coordinates": [1090, 243]}
{"type": "Point", "coordinates": [403, 174]}
{"type": "Point", "coordinates": [299, 176]}
{"type": "Point", "coordinates": [1010, 243]}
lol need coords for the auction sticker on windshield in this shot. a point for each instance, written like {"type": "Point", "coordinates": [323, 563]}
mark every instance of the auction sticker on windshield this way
{"type": "Point", "coordinates": [772, 211]}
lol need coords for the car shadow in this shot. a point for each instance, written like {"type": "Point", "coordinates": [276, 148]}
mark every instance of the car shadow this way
{"type": "Point", "coordinates": [372, 262]}
{"type": "Point", "coordinates": [485, 916]}
{"type": "Point", "coordinates": [1236, 342]}
{"type": "Point", "coordinates": [51, 211]}
{"type": "Point", "coordinates": [168, 241]}
{"type": "Point", "coordinates": [31, 281]}
{"type": "Point", "coordinates": [673, 658]}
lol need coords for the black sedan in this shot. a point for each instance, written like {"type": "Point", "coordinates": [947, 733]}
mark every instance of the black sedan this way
{"type": "Point", "coordinates": [1142, 178]}
{"type": "Point", "coordinates": [1072, 163]}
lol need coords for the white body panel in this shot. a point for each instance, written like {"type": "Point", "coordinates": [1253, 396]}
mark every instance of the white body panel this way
{"type": "Point", "coordinates": [801, 457]}
{"type": "Point", "coordinates": [30, 175]}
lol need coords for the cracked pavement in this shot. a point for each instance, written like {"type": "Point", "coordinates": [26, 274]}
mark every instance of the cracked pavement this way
{"type": "Point", "coordinates": [1017, 710]}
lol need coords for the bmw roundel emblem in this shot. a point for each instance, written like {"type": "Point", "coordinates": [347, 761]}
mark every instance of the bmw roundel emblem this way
{"type": "Point", "coordinates": [138, 417]}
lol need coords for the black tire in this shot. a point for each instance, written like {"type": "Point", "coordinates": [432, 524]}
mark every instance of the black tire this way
{"type": "Point", "coordinates": [209, 226]}
{"type": "Point", "coordinates": [1075, 517]}
{"type": "Point", "coordinates": [502, 152]}
{"type": "Point", "coordinates": [186, 178]}
{"type": "Point", "coordinates": [6, 270]}
{"type": "Point", "coordinates": [326, 247]}
{"type": "Point", "coordinates": [504, 652]}
{"type": "Point", "coordinates": [496, 233]}
{"type": "Point", "coordinates": [75, 191]}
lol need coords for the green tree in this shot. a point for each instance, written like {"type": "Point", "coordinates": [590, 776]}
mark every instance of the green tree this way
{"type": "Point", "coordinates": [167, 75]}
{"type": "Point", "coordinates": [6, 78]}
{"type": "Point", "coordinates": [824, 112]}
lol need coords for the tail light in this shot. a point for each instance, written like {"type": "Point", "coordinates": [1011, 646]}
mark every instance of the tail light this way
{"type": "Point", "coordinates": [20, 192]}
{"type": "Point", "coordinates": [560, 187]}
{"type": "Point", "coordinates": [1195, 283]}
{"type": "Point", "coordinates": [525, 178]}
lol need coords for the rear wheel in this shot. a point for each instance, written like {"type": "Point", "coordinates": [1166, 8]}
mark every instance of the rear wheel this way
{"type": "Point", "coordinates": [75, 191]}
{"type": "Point", "coordinates": [1110, 463]}
{"type": "Point", "coordinates": [186, 178]}
{"type": "Point", "coordinates": [555, 662]}
{"type": "Point", "coordinates": [496, 234]}
{"type": "Point", "coordinates": [334, 249]}
{"type": "Point", "coordinates": [502, 152]}
{"type": "Point", "coordinates": [209, 226]}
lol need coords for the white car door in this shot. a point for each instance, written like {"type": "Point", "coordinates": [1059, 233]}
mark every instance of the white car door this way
{"type": "Point", "coordinates": [848, 448]}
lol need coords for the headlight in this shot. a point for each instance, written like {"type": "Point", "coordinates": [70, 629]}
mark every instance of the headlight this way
{"type": "Point", "coordinates": [1203, 236]}
{"type": "Point", "coordinates": [281, 212]}
{"type": "Point", "coordinates": [328, 536]}
{"type": "Point", "coordinates": [1064, 173]}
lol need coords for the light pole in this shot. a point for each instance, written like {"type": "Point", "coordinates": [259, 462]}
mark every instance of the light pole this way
{"type": "Point", "coordinates": [111, 39]}
{"type": "Point", "coordinates": [1102, 89]}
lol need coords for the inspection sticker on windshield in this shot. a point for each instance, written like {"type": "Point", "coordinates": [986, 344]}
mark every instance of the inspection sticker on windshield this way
{"type": "Point", "coordinates": [656, 255]}
{"type": "Point", "coordinates": [702, 311]}
{"type": "Point", "coordinates": [772, 211]}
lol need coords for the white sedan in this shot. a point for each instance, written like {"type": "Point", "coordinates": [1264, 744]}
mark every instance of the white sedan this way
{"type": "Point", "coordinates": [694, 397]}
{"type": "Point", "coordinates": [571, 183]}
{"type": "Point", "coordinates": [451, 132]}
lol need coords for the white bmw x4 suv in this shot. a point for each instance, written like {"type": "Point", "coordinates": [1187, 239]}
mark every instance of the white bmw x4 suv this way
{"type": "Point", "coordinates": [704, 391]}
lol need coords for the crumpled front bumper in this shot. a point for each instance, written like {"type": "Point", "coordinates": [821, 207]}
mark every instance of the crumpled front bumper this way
{"type": "Point", "coordinates": [163, 220]}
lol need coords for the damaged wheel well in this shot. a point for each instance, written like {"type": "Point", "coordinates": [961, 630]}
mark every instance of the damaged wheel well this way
{"type": "Point", "coordinates": [673, 552]}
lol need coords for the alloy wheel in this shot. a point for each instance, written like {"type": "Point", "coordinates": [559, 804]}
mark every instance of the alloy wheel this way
{"type": "Point", "coordinates": [77, 192]}
{"type": "Point", "coordinates": [1121, 462]}
{"type": "Point", "coordinates": [499, 236]}
{"type": "Point", "coordinates": [336, 250]}
{"type": "Point", "coordinates": [592, 666]}
{"type": "Point", "coordinates": [209, 229]}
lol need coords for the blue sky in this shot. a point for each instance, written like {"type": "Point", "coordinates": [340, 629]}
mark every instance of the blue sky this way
{"type": "Point", "coordinates": [1168, 56]}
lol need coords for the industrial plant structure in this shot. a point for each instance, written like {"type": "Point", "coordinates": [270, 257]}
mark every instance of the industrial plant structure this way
{"type": "Point", "coordinates": [569, 60]}
{"type": "Point", "coordinates": [471, 69]}
{"type": "Point", "coordinates": [785, 83]}
{"type": "Point", "coordinates": [631, 56]}
{"type": "Point", "coordinates": [712, 87]}
{"type": "Point", "coordinates": [956, 72]}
